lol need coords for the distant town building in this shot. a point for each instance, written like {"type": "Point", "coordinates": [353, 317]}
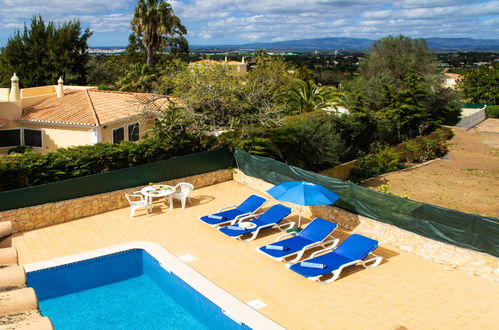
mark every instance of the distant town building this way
{"type": "Point", "coordinates": [239, 67]}
{"type": "Point", "coordinates": [451, 79]}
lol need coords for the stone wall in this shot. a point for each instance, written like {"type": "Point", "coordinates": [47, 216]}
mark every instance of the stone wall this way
{"type": "Point", "coordinates": [38, 216]}
{"type": "Point", "coordinates": [452, 257]}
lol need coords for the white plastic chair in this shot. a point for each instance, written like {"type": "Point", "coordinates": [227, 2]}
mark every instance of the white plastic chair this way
{"type": "Point", "coordinates": [182, 191]}
{"type": "Point", "coordinates": [134, 203]}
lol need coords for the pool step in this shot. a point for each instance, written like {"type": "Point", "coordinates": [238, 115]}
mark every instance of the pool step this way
{"type": "Point", "coordinates": [19, 317]}
{"type": "Point", "coordinates": [8, 256]}
{"type": "Point", "coordinates": [12, 277]}
{"type": "Point", "coordinates": [17, 301]}
{"type": "Point", "coordinates": [40, 323]}
{"type": "Point", "coordinates": [5, 234]}
{"type": "Point", "coordinates": [25, 321]}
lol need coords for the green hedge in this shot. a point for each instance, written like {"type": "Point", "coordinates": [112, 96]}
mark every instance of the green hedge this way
{"type": "Point", "coordinates": [389, 159]}
{"type": "Point", "coordinates": [29, 168]}
{"type": "Point", "coordinates": [163, 170]}
{"type": "Point", "coordinates": [492, 111]}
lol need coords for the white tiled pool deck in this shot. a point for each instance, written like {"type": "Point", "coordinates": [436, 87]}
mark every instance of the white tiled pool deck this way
{"type": "Point", "coordinates": [404, 292]}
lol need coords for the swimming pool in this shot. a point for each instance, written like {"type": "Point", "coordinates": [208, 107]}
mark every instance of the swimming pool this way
{"type": "Point", "coordinates": [135, 286]}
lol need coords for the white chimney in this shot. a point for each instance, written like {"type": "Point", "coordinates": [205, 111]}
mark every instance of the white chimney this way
{"type": "Point", "coordinates": [60, 87]}
{"type": "Point", "coordinates": [242, 61]}
{"type": "Point", "coordinates": [225, 59]}
{"type": "Point", "coordinates": [15, 95]}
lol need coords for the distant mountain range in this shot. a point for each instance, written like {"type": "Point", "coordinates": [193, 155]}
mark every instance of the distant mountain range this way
{"type": "Point", "coordinates": [449, 44]}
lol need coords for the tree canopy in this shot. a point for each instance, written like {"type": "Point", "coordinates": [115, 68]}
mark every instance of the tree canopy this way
{"type": "Point", "coordinates": [401, 84]}
{"type": "Point", "coordinates": [43, 52]}
{"type": "Point", "coordinates": [157, 27]}
{"type": "Point", "coordinates": [481, 84]}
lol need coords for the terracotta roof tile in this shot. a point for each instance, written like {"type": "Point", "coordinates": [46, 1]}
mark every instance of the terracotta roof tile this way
{"type": "Point", "coordinates": [90, 107]}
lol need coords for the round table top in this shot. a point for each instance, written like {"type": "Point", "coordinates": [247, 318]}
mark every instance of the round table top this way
{"type": "Point", "coordinates": [158, 190]}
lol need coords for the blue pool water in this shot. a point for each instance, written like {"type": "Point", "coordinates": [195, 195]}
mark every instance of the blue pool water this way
{"type": "Point", "coordinates": [126, 290]}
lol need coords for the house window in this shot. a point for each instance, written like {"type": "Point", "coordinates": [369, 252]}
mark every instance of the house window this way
{"type": "Point", "coordinates": [133, 132]}
{"type": "Point", "coordinates": [118, 134]}
{"type": "Point", "coordinates": [10, 138]}
{"type": "Point", "coordinates": [33, 137]}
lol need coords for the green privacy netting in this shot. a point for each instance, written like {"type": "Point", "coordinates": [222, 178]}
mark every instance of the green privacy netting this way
{"type": "Point", "coordinates": [458, 228]}
{"type": "Point", "coordinates": [163, 170]}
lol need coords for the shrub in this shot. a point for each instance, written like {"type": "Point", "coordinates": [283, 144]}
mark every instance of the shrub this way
{"type": "Point", "coordinates": [30, 168]}
{"type": "Point", "coordinates": [384, 161]}
{"type": "Point", "coordinates": [423, 148]}
{"type": "Point", "coordinates": [19, 150]}
{"type": "Point", "coordinates": [309, 142]}
{"type": "Point", "coordinates": [492, 111]}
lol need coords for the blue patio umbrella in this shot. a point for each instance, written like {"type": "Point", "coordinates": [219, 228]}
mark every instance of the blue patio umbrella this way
{"type": "Point", "coordinates": [303, 193]}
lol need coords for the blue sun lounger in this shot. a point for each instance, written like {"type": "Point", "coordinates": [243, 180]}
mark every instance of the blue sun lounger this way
{"type": "Point", "coordinates": [314, 234]}
{"type": "Point", "coordinates": [351, 252]}
{"type": "Point", "coordinates": [273, 217]}
{"type": "Point", "coordinates": [233, 213]}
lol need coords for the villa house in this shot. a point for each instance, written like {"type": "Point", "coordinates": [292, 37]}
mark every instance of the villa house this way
{"type": "Point", "coordinates": [50, 117]}
{"type": "Point", "coordinates": [239, 67]}
{"type": "Point", "coordinates": [451, 79]}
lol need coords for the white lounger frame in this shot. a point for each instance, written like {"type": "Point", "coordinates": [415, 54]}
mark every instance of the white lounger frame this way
{"type": "Point", "coordinates": [240, 216]}
{"type": "Point", "coordinates": [283, 226]}
{"type": "Point", "coordinates": [372, 261]}
{"type": "Point", "coordinates": [327, 240]}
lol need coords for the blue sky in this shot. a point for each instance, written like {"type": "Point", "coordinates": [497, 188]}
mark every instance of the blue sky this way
{"type": "Point", "coordinates": [239, 22]}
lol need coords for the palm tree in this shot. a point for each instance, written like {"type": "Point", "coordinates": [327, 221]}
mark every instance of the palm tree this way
{"type": "Point", "coordinates": [155, 23]}
{"type": "Point", "coordinates": [138, 78]}
{"type": "Point", "coordinates": [306, 96]}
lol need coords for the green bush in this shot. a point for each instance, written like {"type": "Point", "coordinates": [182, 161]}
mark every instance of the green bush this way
{"type": "Point", "coordinates": [307, 141]}
{"type": "Point", "coordinates": [20, 170]}
{"type": "Point", "coordinates": [384, 161]}
{"type": "Point", "coordinates": [492, 111]}
{"type": "Point", "coordinates": [388, 159]}
{"type": "Point", "coordinates": [423, 148]}
{"type": "Point", "coordinates": [20, 150]}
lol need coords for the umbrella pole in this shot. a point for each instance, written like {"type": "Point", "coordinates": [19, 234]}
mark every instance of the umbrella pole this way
{"type": "Point", "coordinates": [299, 218]}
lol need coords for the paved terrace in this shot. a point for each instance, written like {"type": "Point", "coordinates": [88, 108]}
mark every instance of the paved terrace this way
{"type": "Point", "coordinates": [405, 291]}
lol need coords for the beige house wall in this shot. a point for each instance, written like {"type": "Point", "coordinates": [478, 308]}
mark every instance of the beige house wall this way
{"type": "Point", "coordinates": [4, 95]}
{"type": "Point", "coordinates": [145, 126]}
{"type": "Point", "coordinates": [10, 110]}
{"type": "Point", "coordinates": [37, 91]}
{"type": "Point", "coordinates": [54, 137]}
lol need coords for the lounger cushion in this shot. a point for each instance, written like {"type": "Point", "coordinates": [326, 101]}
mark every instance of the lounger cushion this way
{"type": "Point", "coordinates": [251, 204]}
{"type": "Point", "coordinates": [355, 247]}
{"type": "Point", "coordinates": [227, 215]}
{"type": "Point", "coordinates": [293, 244]}
{"type": "Point", "coordinates": [234, 233]}
{"type": "Point", "coordinates": [318, 230]}
{"type": "Point", "coordinates": [272, 216]}
{"type": "Point", "coordinates": [331, 260]}
{"type": "Point", "coordinates": [314, 232]}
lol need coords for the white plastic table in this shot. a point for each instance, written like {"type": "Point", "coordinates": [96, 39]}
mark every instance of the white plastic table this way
{"type": "Point", "coordinates": [156, 191]}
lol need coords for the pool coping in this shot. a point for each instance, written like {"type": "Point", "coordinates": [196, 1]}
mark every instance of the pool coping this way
{"type": "Point", "coordinates": [230, 305]}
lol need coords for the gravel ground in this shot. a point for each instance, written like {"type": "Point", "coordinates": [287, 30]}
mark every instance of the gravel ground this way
{"type": "Point", "coordinates": [468, 181]}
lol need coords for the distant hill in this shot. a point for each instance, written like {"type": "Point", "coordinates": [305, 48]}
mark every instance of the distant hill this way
{"type": "Point", "coordinates": [449, 44]}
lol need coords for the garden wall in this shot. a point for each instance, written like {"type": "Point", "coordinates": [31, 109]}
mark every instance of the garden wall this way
{"type": "Point", "coordinates": [47, 214]}
{"type": "Point", "coordinates": [451, 256]}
